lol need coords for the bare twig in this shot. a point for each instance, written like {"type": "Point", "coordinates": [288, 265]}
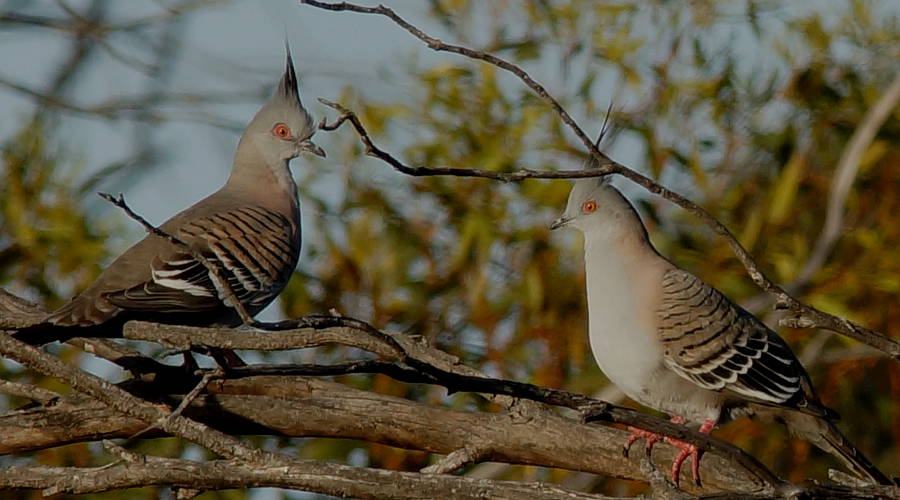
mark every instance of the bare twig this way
{"type": "Point", "coordinates": [120, 452]}
{"type": "Point", "coordinates": [188, 399]}
{"type": "Point", "coordinates": [372, 150]}
{"type": "Point", "coordinates": [605, 166]}
{"type": "Point", "coordinates": [27, 391]}
{"type": "Point", "coordinates": [183, 337]}
{"type": "Point", "coordinates": [465, 455]}
{"type": "Point", "coordinates": [437, 45]}
{"type": "Point", "coordinates": [805, 316]}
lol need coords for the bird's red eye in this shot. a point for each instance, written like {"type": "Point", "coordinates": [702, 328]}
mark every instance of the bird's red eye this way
{"type": "Point", "coordinates": [589, 206]}
{"type": "Point", "coordinates": [281, 131]}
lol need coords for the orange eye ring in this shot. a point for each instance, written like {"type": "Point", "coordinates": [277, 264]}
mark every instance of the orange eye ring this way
{"type": "Point", "coordinates": [281, 131]}
{"type": "Point", "coordinates": [589, 206]}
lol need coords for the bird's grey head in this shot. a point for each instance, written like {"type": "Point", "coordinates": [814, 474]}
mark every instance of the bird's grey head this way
{"type": "Point", "coordinates": [282, 129]}
{"type": "Point", "coordinates": [595, 205]}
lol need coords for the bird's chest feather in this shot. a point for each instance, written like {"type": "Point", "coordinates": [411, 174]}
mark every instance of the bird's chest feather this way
{"type": "Point", "coordinates": [621, 331]}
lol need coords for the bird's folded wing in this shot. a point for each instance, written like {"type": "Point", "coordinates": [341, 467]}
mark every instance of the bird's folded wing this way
{"type": "Point", "coordinates": [255, 250]}
{"type": "Point", "coordinates": [719, 346]}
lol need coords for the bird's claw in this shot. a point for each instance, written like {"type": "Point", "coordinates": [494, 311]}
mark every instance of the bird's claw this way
{"type": "Point", "coordinates": [687, 450]}
{"type": "Point", "coordinates": [650, 439]}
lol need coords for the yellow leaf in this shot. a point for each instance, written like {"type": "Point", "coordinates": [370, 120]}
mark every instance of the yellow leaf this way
{"type": "Point", "coordinates": [874, 153]}
{"type": "Point", "coordinates": [751, 229]}
{"type": "Point", "coordinates": [786, 188]}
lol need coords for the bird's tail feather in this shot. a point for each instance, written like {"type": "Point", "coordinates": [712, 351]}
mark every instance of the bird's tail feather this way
{"type": "Point", "coordinates": [826, 436]}
{"type": "Point", "coordinates": [45, 333]}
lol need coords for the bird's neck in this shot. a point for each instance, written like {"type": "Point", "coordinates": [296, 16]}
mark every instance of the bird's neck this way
{"type": "Point", "coordinates": [617, 255]}
{"type": "Point", "coordinates": [272, 178]}
{"type": "Point", "coordinates": [623, 238]}
{"type": "Point", "coordinates": [616, 264]}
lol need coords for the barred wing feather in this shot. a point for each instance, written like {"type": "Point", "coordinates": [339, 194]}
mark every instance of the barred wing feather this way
{"type": "Point", "coordinates": [719, 346]}
{"type": "Point", "coordinates": [254, 249]}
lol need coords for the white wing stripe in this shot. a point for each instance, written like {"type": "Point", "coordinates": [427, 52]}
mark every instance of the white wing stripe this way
{"type": "Point", "coordinates": [182, 285]}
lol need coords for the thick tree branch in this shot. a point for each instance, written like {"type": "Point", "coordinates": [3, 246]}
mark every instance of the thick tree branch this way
{"type": "Point", "coordinates": [308, 475]}
{"type": "Point", "coordinates": [309, 407]}
{"type": "Point", "coordinates": [805, 313]}
{"type": "Point", "coordinates": [415, 355]}
{"type": "Point", "coordinates": [403, 358]}
{"type": "Point", "coordinates": [425, 372]}
{"type": "Point", "coordinates": [332, 479]}
{"type": "Point", "coordinates": [124, 402]}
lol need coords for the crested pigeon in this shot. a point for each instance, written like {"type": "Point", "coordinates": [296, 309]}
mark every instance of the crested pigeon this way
{"type": "Point", "coordinates": [249, 229]}
{"type": "Point", "coordinates": [675, 344]}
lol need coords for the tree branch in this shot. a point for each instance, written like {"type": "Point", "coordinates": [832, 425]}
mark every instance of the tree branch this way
{"type": "Point", "coordinates": [372, 150]}
{"type": "Point", "coordinates": [308, 407]}
{"type": "Point", "coordinates": [32, 392]}
{"type": "Point", "coordinates": [241, 406]}
{"type": "Point", "coordinates": [341, 480]}
{"type": "Point", "coordinates": [124, 402]}
{"type": "Point", "coordinates": [424, 371]}
{"type": "Point", "coordinates": [284, 471]}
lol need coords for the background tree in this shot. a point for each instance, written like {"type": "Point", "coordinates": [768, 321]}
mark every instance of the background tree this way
{"type": "Point", "coordinates": [746, 107]}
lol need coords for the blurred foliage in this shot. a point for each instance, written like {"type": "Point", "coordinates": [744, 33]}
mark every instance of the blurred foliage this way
{"type": "Point", "coordinates": [45, 237]}
{"type": "Point", "coordinates": [744, 106]}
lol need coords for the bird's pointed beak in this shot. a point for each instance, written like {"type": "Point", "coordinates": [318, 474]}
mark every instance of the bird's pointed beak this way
{"type": "Point", "coordinates": [560, 222]}
{"type": "Point", "coordinates": [313, 148]}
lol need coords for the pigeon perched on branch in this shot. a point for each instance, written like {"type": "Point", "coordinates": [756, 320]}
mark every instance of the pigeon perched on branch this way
{"type": "Point", "coordinates": [673, 343]}
{"type": "Point", "coordinates": [249, 230]}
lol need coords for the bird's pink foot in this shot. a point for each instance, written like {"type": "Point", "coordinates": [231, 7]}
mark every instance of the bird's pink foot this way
{"type": "Point", "coordinates": [688, 450]}
{"type": "Point", "coordinates": [650, 438]}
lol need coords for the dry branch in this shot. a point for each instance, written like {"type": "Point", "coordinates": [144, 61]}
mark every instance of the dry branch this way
{"type": "Point", "coordinates": [124, 402]}
{"type": "Point", "coordinates": [282, 470]}
{"type": "Point", "coordinates": [426, 372]}
{"type": "Point", "coordinates": [309, 407]}
{"type": "Point", "coordinates": [429, 368]}
{"type": "Point", "coordinates": [331, 479]}
{"type": "Point", "coordinates": [291, 406]}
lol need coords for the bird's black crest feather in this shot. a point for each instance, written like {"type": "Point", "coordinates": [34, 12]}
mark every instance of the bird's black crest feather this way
{"type": "Point", "coordinates": [288, 85]}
